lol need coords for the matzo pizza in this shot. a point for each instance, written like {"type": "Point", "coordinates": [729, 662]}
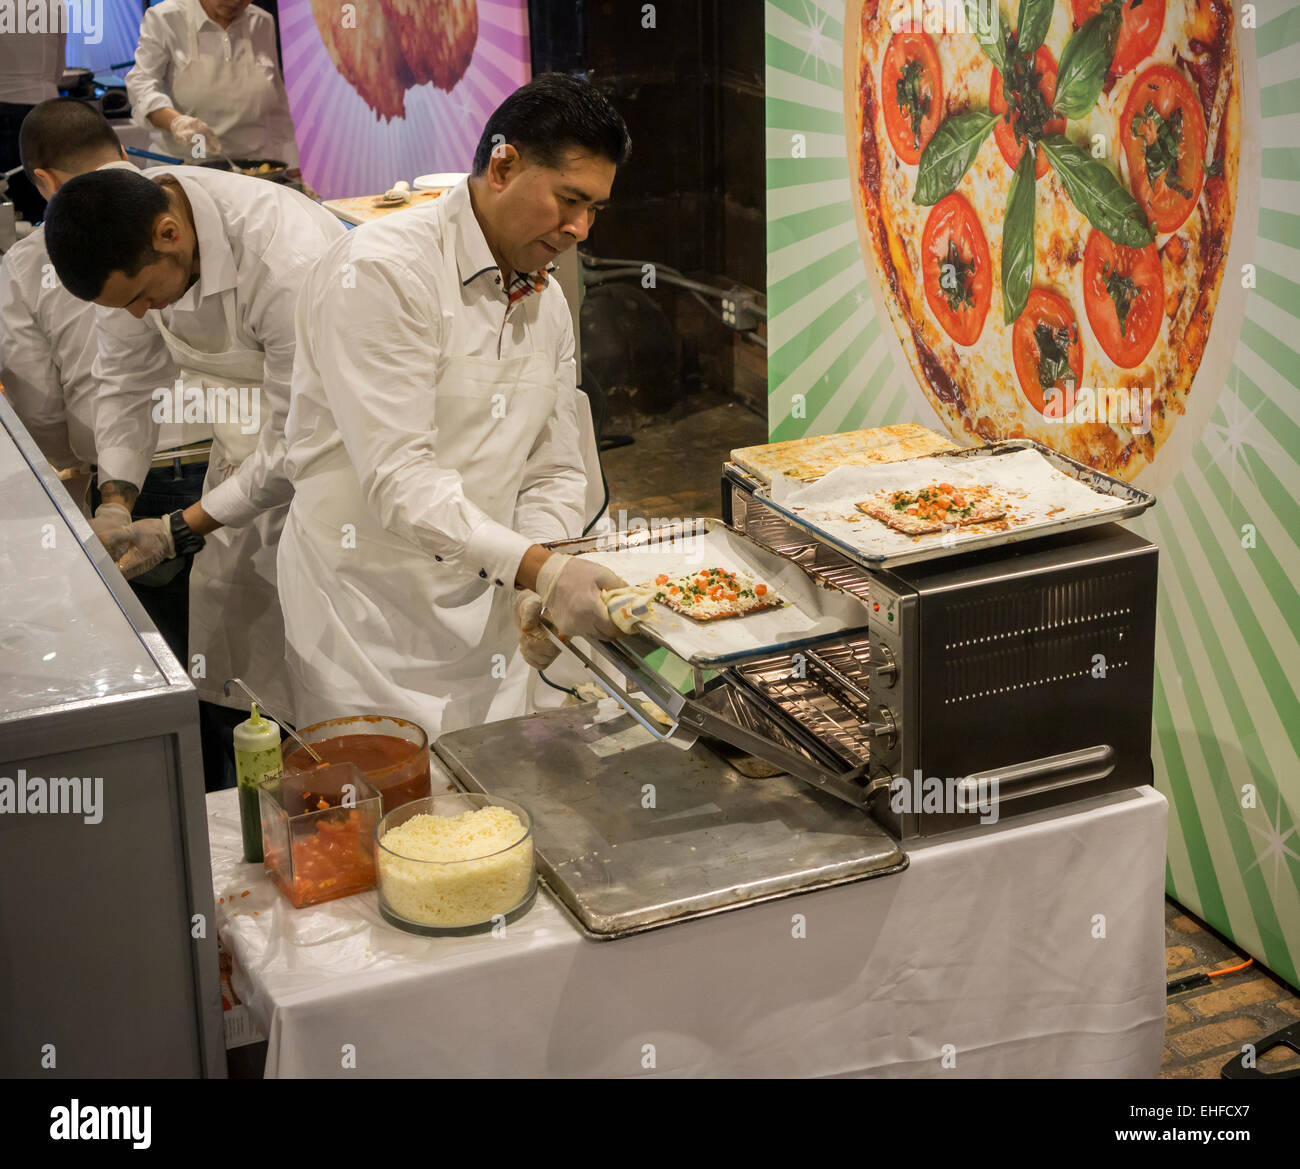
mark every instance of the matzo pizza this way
{"type": "Point", "coordinates": [933, 509]}
{"type": "Point", "coordinates": [714, 593]}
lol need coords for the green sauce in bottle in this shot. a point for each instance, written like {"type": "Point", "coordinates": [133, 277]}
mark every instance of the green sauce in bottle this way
{"type": "Point", "coordinates": [257, 755]}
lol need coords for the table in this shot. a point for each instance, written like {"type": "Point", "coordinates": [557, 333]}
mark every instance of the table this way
{"type": "Point", "coordinates": [1034, 947]}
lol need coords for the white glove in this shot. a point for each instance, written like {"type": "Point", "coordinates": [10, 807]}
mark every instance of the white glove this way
{"type": "Point", "coordinates": [538, 650]}
{"type": "Point", "coordinates": [112, 524]}
{"type": "Point", "coordinates": [151, 544]}
{"type": "Point", "coordinates": [185, 129]}
{"type": "Point", "coordinates": [569, 587]}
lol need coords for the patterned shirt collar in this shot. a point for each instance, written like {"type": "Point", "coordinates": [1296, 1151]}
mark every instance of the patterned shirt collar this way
{"type": "Point", "coordinates": [473, 256]}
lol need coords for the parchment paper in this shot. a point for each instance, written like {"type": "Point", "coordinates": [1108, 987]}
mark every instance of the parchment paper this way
{"type": "Point", "coordinates": [1036, 495]}
{"type": "Point", "coordinates": [812, 611]}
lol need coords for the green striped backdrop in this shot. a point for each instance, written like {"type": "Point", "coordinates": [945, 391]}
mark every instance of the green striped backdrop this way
{"type": "Point", "coordinates": [1227, 716]}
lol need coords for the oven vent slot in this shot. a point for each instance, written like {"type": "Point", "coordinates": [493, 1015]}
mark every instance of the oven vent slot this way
{"type": "Point", "coordinates": [1011, 667]}
{"type": "Point", "coordinates": [1064, 605]}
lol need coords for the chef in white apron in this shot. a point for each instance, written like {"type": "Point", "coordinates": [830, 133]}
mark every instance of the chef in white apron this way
{"type": "Point", "coordinates": [437, 437]}
{"type": "Point", "coordinates": [47, 335]}
{"type": "Point", "coordinates": [208, 327]}
{"type": "Point", "coordinates": [206, 80]}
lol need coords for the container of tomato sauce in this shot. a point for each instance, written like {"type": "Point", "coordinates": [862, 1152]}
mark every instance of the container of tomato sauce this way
{"type": "Point", "coordinates": [318, 831]}
{"type": "Point", "coordinates": [392, 753]}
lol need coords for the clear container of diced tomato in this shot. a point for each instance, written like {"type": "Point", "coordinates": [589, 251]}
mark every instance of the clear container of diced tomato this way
{"type": "Point", "coordinates": [318, 832]}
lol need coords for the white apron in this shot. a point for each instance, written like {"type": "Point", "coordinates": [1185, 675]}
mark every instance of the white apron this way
{"type": "Point", "coordinates": [376, 626]}
{"type": "Point", "coordinates": [235, 620]}
{"type": "Point", "coordinates": [231, 94]}
{"type": "Point", "coordinates": [594, 502]}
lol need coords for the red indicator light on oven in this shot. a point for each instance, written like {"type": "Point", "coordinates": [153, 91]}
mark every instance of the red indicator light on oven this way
{"type": "Point", "coordinates": [876, 606]}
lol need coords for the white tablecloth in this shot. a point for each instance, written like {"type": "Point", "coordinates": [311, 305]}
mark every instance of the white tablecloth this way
{"type": "Point", "coordinates": [1031, 948]}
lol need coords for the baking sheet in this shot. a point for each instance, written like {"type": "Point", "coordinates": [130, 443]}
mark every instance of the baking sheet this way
{"type": "Point", "coordinates": [813, 611]}
{"type": "Point", "coordinates": [1039, 497]}
{"type": "Point", "coordinates": [715, 841]}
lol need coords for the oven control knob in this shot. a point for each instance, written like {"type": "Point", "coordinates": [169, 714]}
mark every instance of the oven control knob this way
{"type": "Point", "coordinates": [884, 727]}
{"type": "Point", "coordinates": [886, 671]}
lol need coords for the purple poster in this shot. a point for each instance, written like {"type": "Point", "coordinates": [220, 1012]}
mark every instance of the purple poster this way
{"type": "Point", "coordinates": [383, 90]}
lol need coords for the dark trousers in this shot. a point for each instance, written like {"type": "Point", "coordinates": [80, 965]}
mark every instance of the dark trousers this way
{"type": "Point", "coordinates": [164, 593]}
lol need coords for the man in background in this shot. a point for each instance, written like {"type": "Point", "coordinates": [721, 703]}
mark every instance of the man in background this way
{"type": "Point", "coordinates": [31, 65]}
{"type": "Point", "coordinates": [48, 345]}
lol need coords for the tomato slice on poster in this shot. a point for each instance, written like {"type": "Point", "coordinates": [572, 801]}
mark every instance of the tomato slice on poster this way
{"type": "Point", "coordinates": [1048, 353]}
{"type": "Point", "coordinates": [1144, 20]}
{"type": "Point", "coordinates": [956, 270]}
{"type": "Point", "coordinates": [1004, 132]}
{"type": "Point", "coordinates": [1124, 297]}
{"type": "Point", "coordinates": [1163, 132]}
{"type": "Point", "coordinates": [911, 90]}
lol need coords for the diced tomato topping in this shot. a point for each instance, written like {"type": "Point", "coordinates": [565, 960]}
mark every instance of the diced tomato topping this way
{"type": "Point", "coordinates": [661, 579]}
{"type": "Point", "coordinates": [760, 590]}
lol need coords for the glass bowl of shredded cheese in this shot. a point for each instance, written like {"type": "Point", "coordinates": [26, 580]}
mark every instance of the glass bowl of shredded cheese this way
{"type": "Point", "coordinates": [455, 863]}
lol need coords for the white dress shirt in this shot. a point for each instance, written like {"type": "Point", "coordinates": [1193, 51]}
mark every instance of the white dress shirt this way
{"type": "Point", "coordinates": [260, 239]}
{"type": "Point", "coordinates": [247, 106]}
{"type": "Point", "coordinates": [47, 347]}
{"type": "Point", "coordinates": [376, 313]}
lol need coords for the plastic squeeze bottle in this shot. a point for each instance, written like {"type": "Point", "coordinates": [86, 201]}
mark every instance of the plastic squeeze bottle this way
{"type": "Point", "coordinates": [257, 755]}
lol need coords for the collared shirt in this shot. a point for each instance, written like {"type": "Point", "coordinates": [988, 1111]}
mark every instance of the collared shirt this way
{"type": "Point", "coordinates": [376, 313]}
{"type": "Point", "coordinates": [266, 130]}
{"type": "Point", "coordinates": [47, 347]}
{"type": "Point", "coordinates": [260, 239]}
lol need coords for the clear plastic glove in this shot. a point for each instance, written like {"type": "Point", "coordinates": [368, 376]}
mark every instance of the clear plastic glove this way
{"type": "Point", "coordinates": [570, 588]}
{"type": "Point", "coordinates": [151, 544]}
{"type": "Point", "coordinates": [538, 650]}
{"type": "Point", "coordinates": [185, 129]}
{"type": "Point", "coordinates": [112, 524]}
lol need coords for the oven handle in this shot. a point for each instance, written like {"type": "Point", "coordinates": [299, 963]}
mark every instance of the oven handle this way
{"type": "Point", "coordinates": [1037, 775]}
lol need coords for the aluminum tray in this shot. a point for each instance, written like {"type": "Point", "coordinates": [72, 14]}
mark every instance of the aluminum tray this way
{"type": "Point", "coordinates": [712, 840]}
{"type": "Point", "coordinates": [952, 543]}
{"type": "Point", "coordinates": [817, 607]}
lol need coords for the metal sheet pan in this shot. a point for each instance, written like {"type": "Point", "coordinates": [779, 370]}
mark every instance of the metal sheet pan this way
{"type": "Point", "coordinates": [713, 840]}
{"type": "Point", "coordinates": [883, 548]}
{"type": "Point", "coordinates": [816, 609]}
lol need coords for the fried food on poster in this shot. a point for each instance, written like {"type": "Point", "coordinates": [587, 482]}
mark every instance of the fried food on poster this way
{"type": "Point", "coordinates": [384, 47]}
{"type": "Point", "coordinates": [437, 37]}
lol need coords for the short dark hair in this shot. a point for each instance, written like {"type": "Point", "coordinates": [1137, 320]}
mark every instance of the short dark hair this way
{"type": "Point", "coordinates": [64, 134]}
{"type": "Point", "coordinates": [551, 114]}
{"type": "Point", "coordinates": [99, 223]}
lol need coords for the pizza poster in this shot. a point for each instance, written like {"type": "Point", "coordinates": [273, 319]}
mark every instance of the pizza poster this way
{"type": "Point", "coordinates": [1076, 221]}
{"type": "Point", "coordinates": [382, 90]}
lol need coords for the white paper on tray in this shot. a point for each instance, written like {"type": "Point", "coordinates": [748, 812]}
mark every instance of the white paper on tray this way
{"type": "Point", "coordinates": [811, 610]}
{"type": "Point", "coordinates": [1035, 493]}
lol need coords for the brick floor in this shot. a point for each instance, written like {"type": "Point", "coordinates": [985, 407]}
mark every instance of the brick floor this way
{"type": "Point", "coordinates": [674, 469]}
{"type": "Point", "coordinates": [1207, 1025]}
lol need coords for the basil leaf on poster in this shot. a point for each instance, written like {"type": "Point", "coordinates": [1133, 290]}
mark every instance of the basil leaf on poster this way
{"type": "Point", "coordinates": [1018, 240]}
{"type": "Point", "coordinates": [1032, 25]}
{"type": "Point", "coordinates": [1097, 193]}
{"type": "Point", "coordinates": [984, 20]}
{"type": "Point", "coordinates": [949, 154]}
{"type": "Point", "coordinates": [1086, 59]}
